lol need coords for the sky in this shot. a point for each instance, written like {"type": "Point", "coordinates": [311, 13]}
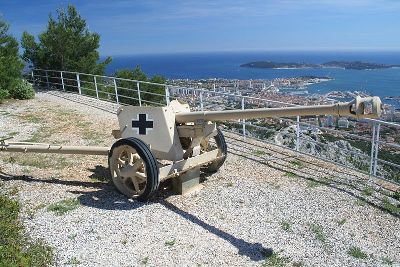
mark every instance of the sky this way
{"type": "Point", "coordinates": [173, 26]}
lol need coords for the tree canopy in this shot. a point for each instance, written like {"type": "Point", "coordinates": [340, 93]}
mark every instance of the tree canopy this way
{"type": "Point", "coordinates": [10, 63]}
{"type": "Point", "coordinates": [67, 44]}
{"type": "Point", "coordinates": [131, 96]}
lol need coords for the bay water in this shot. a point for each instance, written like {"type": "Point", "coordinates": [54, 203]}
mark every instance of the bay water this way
{"type": "Point", "coordinates": [381, 82]}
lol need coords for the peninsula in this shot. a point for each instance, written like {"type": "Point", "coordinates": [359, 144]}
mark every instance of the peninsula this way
{"type": "Point", "coordinates": [355, 65]}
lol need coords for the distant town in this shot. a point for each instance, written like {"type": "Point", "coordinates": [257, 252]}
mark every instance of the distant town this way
{"type": "Point", "coordinates": [282, 90]}
{"type": "Point", "coordinates": [223, 94]}
{"type": "Point", "coordinates": [355, 65]}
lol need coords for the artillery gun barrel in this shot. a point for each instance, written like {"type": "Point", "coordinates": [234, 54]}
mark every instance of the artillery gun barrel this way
{"type": "Point", "coordinates": [356, 108]}
{"type": "Point", "coordinates": [47, 148]}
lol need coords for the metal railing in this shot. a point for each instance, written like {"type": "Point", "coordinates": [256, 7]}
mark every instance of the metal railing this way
{"type": "Point", "coordinates": [367, 143]}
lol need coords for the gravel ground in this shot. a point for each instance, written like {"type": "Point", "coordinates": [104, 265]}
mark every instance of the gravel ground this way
{"type": "Point", "coordinates": [263, 200]}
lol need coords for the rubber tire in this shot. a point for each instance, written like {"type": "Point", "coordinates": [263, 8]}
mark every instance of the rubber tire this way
{"type": "Point", "coordinates": [152, 171]}
{"type": "Point", "coordinates": [221, 144]}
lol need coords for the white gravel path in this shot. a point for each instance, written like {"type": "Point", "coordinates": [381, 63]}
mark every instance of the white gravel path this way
{"type": "Point", "coordinates": [257, 203]}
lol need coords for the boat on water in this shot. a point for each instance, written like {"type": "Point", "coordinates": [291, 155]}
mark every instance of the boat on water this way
{"type": "Point", "coordinates": [392, 98]}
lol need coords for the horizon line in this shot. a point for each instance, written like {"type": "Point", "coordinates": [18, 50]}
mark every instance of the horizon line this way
{"type": "Point", "coordinates": [349, 50]}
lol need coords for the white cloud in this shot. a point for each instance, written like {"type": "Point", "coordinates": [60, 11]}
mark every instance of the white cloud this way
{"type": "Point", "coordinates": [182, 9]}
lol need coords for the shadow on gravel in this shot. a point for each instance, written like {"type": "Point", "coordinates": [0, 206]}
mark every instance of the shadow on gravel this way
{"type": "Point", "coordinates": [100, 173]}
{"type": "Point", "coordinates": [109, 199]}
{"type": "Point", "coordinates": [254, 251]}
{"type": "Point", "coordinates": [30, 179]}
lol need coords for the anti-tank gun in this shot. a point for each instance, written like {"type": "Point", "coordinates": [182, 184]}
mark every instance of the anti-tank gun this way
{"type": "Point", "coordinates": [158, 143]}
{"type": "Point", "coordinates": [181, 137]}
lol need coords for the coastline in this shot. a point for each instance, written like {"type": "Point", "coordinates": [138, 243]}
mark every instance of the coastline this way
{"type": "Point", "coordinates": [196, 66]}
{"type": "Point", "coordinates": [347, 65]}
{"type": "Point", "coordinates": [301, 68]}
{"type": "Point", "coordinates": [290, 90]}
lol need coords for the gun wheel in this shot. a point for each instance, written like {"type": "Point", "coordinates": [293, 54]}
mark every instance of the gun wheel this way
{"type": "Point", "coordinates": [222, 151]}
{"type": "Point", "coordinates": [133, 168]}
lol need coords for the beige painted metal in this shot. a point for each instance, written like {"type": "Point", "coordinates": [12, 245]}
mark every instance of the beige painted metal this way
{"type": "Point", "coordinates": [128, 171]}
{"type": "Point", "coordinates": [47, 148]}
{"type": "Point", "coordinates": [187, 164]}
{"type": "Point", "coordinates": [369, 107]}
{"type": "Point", "coordinates": [162, 137]}
{"type": "Point", "coordinates": [172, 123]}
{"type": "Point", "coordinates": [190, 130]}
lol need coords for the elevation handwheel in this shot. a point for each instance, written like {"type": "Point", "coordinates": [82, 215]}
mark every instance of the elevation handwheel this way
{"type": "Point", "coordinates": [222, 152]}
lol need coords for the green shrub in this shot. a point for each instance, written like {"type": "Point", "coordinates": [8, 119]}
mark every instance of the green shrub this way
{"type": "Point", "coordinates": [3, 94]}
{"type": "Point", "coordinates": [276, 260]}
{"type": "Point", "coordinates": [11, 64]}
{"type": "Point", "coordinates": [357, 253]}
{"type": "Point", "coordinates": [15, 248]}
{"type": "Point", "coordinates": [22, 90]}
{"type": "Point", "coordinates": [63, 206]}
{"type": "Point", "coordinates": [149, 92]}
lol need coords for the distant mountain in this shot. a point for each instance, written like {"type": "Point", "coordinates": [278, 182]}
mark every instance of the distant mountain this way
{"type": "Point", "coordinates": [355, 65]}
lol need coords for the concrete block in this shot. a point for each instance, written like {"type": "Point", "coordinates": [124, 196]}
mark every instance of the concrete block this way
{"type": "Point", "coordinates": [186, 182]}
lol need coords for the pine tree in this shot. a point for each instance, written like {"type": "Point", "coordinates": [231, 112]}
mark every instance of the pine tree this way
{"type": "Point", "coordinates": [67, 44]}
{"type": "Point", "coordinates": [148, 91]}
{"type": "Point", "coordinates": [10, 63]}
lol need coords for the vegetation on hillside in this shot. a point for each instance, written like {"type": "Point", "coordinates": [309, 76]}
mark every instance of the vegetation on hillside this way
{"type": "Point", "coordinates": [11, 65]}
{"type": "Point", "coordinates": [15, 248]}
{"type": "Point", "coordinates": [149, 92]}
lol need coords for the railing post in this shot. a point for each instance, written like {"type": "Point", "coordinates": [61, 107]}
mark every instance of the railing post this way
{"type": "Point", "coordinates": [79, 83]}
{"type": "Point", "coordinates": [298, 133]}
{"type": "Point", "coordinates": [116, 91]}
{"type": "Point", "coordinates": [371, 164]}
{"type": "Point", "coordinates": [95, 86]}
{"type": "Point", "coordinates": [138, 92]}
{"type": "Point", "coordinates": [378, 128]}
{"type": "Point", "coordinates": [201, 100]}
{"type": "Point", "coordinates": [243, 121]}
{"type": "Point", "coordinates": [33, 78]}
{"type": "Point", "coordinates": [62, 81]}
{"type": "Point", "coordinates": [47, 80]}
{"type": "Point", "coordinates": [167, 95]}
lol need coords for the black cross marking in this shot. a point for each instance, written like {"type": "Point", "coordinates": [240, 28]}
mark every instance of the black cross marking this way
{"type": "Point", "coordinates": [142, 124]}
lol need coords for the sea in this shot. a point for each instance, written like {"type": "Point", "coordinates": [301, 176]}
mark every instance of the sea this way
{"type": "Point", "coordinates": [380, 82]}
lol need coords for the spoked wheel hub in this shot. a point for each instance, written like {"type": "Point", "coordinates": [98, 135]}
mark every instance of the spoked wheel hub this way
{"type": "Point", "coordinates": [133, 168]}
